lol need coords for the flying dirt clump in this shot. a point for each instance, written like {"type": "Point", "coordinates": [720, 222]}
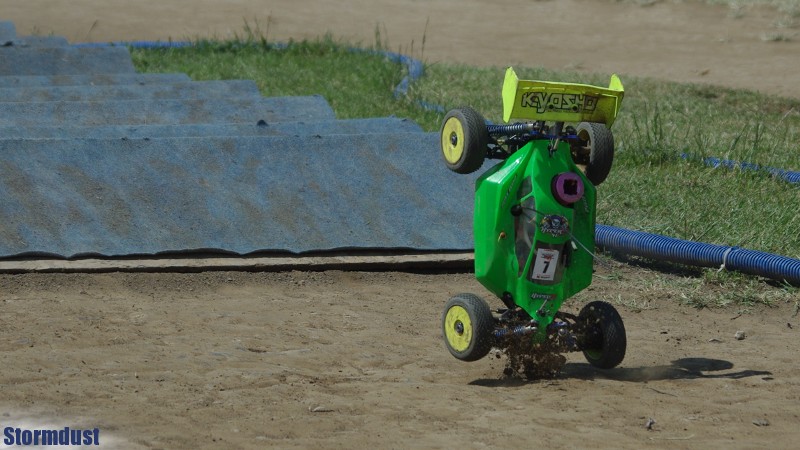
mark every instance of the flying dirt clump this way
{"type": "Point", "coordinates": [528, 364]}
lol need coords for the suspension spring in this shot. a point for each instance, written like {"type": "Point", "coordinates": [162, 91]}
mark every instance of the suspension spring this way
{"type": "Point", "coordinates": [521, 330]}
{"type": "Point", "coordinates": [510, 130]}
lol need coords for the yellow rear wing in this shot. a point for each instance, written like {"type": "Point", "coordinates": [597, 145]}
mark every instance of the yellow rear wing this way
{"type": "Point", "coordinates": [560, 102]}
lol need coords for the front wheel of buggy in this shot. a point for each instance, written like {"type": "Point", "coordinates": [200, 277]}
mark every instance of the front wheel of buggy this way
{"type": "Point", "coordinates": [468, 327]}
{"type": "Point", "coordinates": [602, 336]}
{"type": "Point", "coordinates": [597, 155]}
{"type": "Point", "coordinates": [464, 140]}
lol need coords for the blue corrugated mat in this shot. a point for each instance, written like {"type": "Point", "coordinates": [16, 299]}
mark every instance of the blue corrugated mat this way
{"type": "Point", "coordinates": [64, 60]}
{"type": "Point", "coordinates": [352, 126]}
{"type": "Point", "coordinates": [243, 195]}
{"type": "Point", "coordinates": [99, 160]}
{"type": "Point", "coordinates": [186, 91]}
{"type": "Point", "coordinates": [8, 32]}
{"type": "Point", "coordinates": [132, 112]}
{"type": "Point", "coordinates": [12, 81]}
{"type": "Point", "coordinates": [37, 42]}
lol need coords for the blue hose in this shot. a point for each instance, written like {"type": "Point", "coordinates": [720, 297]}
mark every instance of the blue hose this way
{"type": "Point", "coordinates": [673, 250]}
{"type": "Point", "coordinates": [788, 175]}
{"type": "Point", "coordinates": [712, 161]}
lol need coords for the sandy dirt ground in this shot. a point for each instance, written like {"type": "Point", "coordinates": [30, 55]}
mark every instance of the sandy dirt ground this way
{"type": "Point", "coordinates": [355, 359]}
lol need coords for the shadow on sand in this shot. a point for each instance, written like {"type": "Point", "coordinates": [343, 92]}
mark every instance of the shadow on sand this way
{"type": "Point", "coordinates": [680, 369]}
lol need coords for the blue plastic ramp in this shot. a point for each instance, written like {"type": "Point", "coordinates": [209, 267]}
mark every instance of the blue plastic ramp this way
{"type": "Point", "coordinates": [37, 42]}
{"type": "Point", "coordinates": [352, 126]}
{"type": "Point", "coordinates": [13, 81]}
{"type": "Point", "coordinates": [187, 90]}
{"type": "Point", "coordinates": [8, 32]}
{"type": "Point", "coordinates": [64, 60]}
{"type": "Point", "coordinates": [250, 194]}
{"type": "Point", "coordinates": [100, 160]}
{"type": "Point", "coordinates": [131, 112]}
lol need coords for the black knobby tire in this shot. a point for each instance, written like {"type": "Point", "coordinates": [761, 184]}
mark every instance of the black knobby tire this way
{"type": "Point", "coordinates": [600, 144]}
{"type": "Point", "coordinates": [475, 337]}
{"type": "Point", "coordinates": [602, 332]}
{"type": "Point", "coordinates": [464, 140]}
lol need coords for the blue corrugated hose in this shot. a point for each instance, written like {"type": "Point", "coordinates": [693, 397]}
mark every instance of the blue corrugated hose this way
{"type": "Point", "coordinates": [697, 253]}
{"type": "Point", "coordinates": [712, 161]}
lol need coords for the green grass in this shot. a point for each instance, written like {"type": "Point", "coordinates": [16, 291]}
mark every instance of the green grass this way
{"type": "Point", "coordinates": [651, 188]}
{"type": "Point", "coordinates": [356, 84]}
{"type": "Point", "coordinates": [709, 289]}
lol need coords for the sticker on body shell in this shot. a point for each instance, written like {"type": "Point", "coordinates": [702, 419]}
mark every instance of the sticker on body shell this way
{"type": "Point", "coordinates": [545, 297]}
{"type": "Point", "coordinates": [543, 102]}
{"type": "Point", "coordinates": [544, 267]}
{"type": "Point", "coordinates": [554, 225]}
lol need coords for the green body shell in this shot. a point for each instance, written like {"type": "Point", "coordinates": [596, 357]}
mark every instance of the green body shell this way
{"type": "Point", "coordinates": [527, 244]}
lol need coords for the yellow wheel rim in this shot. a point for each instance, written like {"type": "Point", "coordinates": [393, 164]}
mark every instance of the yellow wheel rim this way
{"type": "Point", "coordinates": [452, 140]}
{"type": "Point", "coordinates": [458, 328]}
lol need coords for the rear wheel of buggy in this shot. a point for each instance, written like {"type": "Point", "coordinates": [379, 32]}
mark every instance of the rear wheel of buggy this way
{"type": "Point", "coordinates": [597, 155]}
{"type": "Point", "coordinates": [464, 140]}
{"type": "Point", "coordinates": [602, 339]}
{"type": "Point", "coordinates": [468, 327]}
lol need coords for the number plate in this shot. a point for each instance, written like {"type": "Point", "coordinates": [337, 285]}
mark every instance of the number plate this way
{"type": "Point", "coordinates": [544, 268]}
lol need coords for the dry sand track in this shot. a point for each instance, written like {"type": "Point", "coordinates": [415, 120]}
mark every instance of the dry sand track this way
{"type": "Point", "coordinates": [355, 360]}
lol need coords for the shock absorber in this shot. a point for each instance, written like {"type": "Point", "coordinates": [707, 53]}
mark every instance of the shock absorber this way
{"type": "Point", "coordinates": [520, 330]}
{"type": "Point", "coordinates": [510, 130]}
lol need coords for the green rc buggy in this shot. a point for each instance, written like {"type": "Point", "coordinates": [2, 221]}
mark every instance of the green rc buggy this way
{"type": "Point", "coordinates": [534, 221]}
